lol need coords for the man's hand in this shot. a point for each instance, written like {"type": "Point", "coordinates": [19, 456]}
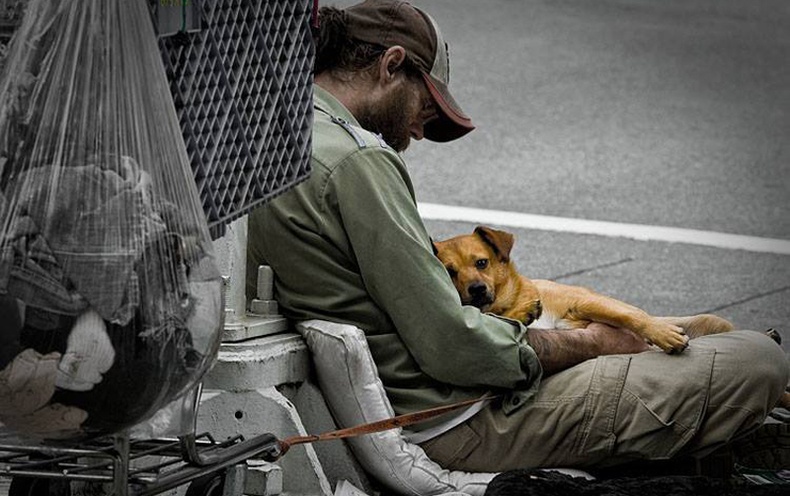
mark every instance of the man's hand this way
{"type": "Point", "coordinates": [561, 349]}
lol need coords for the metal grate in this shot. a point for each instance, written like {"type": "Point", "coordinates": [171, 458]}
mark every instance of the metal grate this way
{"type": "Point", "coordinates": [242, 87]}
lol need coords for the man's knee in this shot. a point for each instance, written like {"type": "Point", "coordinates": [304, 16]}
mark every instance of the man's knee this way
{"type": "Point", "coordinates": [750, 360]}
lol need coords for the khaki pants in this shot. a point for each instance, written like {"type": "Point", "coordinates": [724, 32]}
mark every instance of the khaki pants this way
{"type": "Point", "coordinates": [620, 408]}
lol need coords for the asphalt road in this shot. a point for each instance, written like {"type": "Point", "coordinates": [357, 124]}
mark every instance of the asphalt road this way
{"type": "Point", "coordinates": [672, 113]}
{"type": "Point", "coordinates": [669, 113]}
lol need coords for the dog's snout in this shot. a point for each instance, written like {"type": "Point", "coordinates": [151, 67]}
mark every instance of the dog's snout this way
{"type": "Point", "coordinates": [478, 295]}
{"type": "Point", "coordinates": [476, 289]}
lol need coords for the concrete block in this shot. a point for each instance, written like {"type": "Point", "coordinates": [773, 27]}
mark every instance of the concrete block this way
{"type": "Point", "coordinates": [259, 363]}
{"type": "Point", "coordinates": [336, 458]}
{"type": "Point", "coordinates": [250, 413]}
{"type": "Point", "coordinates": [263, 479]}
{"type": "Point", "coordinates": [264, 307]}
{"type": "Point", "coordinates": [235, 477]}
{"type": "Point", "coordinates": [254, 326]}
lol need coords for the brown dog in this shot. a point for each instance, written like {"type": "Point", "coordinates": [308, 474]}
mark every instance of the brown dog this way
{"type": "Point", "coordinates": [482, 272]}
{"type": "Point", "coordinates": [480, 267]}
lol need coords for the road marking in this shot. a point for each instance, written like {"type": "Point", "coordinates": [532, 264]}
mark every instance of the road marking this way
{"type": "Point", "coordinates": [639, 232]}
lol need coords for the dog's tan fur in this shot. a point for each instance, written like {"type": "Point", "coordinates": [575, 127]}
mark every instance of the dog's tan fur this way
{"type": "Point", "coordinates": [482, 260]}
{"type": "Point", "coordinates": [485, 276]}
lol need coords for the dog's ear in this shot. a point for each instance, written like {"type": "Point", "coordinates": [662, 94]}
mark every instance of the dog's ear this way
{"type": "Point", "coordinates": [500, 241]}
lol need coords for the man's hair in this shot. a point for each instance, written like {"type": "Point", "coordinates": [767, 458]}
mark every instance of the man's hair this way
{"type": "Point", "coordinates": [339, 54]}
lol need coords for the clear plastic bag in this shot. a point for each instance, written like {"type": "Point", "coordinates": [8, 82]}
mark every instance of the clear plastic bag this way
{"type": "Point", "coordinates": [110, 298]}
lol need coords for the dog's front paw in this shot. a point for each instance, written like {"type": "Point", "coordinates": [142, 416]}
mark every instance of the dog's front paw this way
{"type": "Point", "coordinates": [668, 337]}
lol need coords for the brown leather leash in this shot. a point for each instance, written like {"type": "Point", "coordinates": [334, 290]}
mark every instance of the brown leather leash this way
{"type": "Point", "coordinates": [378, 426]}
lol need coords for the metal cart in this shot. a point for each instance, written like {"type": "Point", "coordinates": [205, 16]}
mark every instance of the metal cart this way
{"type": "Point", "coordinates": [136, 467]}
{"type": "Point", "coordinates": [241, 80]}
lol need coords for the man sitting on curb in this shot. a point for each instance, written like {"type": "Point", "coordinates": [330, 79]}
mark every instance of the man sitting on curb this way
{"type": "Point", "coordinates": [348, 246]}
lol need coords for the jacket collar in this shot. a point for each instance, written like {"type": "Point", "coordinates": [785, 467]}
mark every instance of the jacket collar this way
{"type": "Point", "coordinates": [327, 103]}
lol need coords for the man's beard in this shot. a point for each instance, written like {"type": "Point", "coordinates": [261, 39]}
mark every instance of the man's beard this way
{"type": "Point", "coordinates": [389, 118]}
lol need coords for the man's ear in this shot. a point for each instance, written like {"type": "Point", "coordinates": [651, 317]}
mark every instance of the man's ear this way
{"type": "Point", "coordinates": [390, 62]}
{"type": "Point", "coordinates": [500, 241]}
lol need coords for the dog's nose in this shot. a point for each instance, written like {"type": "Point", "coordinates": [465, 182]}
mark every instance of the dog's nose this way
{"type": "Point", "coordinates": [476, 289]}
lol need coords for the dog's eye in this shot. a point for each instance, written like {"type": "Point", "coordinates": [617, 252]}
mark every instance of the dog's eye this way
{"type": "Point", "coordinates": [452, 272]}
{"type": "Point", "coordinates": [482, 263]}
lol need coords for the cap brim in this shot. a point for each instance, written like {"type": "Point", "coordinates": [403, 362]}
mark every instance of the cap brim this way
{"type": "Point", "coordinates": [452, 122]}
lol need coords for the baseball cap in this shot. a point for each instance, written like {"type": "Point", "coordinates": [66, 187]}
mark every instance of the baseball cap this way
{"type": "Point", "coordinates": [396, 22]}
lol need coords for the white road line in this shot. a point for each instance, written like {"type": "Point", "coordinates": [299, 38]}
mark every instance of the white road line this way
{"type": "Point", "coordinates": [639, 232]}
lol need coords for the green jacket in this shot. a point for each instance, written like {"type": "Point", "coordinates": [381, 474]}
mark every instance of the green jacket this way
{"type": "Point", "coordinates": [348, 245]}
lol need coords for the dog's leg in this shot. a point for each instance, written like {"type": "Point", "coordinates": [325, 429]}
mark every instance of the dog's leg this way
{"type": "Point", "coordinates": [705, 324]}
{"type": "Point", "coordinates": [582, 305]}
{"type": "Point", "coordinates": [700, 325]}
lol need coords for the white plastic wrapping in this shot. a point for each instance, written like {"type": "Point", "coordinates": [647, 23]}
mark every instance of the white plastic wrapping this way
{"type": "Point", "coordinates": [110, 299]}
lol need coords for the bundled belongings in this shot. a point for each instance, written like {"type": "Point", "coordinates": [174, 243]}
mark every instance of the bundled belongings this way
{"type": "Point", "coordinates": [110, 302]}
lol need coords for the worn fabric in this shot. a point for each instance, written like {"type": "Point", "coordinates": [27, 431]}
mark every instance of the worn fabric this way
{"type": "Point", "coordinates": [621, 408]}
{"type": "Point", "coordinates": [77, 236]}
{"type": "Point", "coordinates": [354, 394]}
{"type": "Point", "coordinates": [102, 286]}
{"type": "Point", "coordinates": [348, 246]}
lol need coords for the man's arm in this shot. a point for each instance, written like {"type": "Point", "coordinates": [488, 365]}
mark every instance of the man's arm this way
{"type": "Point", "coordinates": [452, 344]}
{"type": "Point", "coordinates": [561, 349]}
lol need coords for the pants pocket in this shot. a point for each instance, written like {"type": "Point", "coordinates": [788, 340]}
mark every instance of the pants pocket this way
{"type": "Point", "coordinates": [646, 406]}
{"type": "Point", "coordinates": [595, 439]}
{"type": "Point", "coordinates": [453, 446]}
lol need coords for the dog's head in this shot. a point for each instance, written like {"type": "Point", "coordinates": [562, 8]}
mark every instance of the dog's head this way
{"type": "Point", "coordinates": [480, 267]}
